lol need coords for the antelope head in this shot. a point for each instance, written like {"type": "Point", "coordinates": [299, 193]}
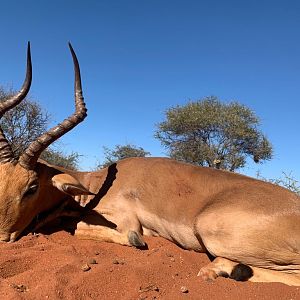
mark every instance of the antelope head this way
{"type": "Point", "coordinates": [24, 182]}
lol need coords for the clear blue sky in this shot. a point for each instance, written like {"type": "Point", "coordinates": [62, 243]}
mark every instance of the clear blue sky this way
{"type": "Point", "coordinates": [139, 58]}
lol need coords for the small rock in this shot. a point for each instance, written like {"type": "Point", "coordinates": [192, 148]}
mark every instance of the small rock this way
{"type": "Point", "coordinates": [97, 252]}
{"type": "Point", "coordinates": [118, 262]}
{"type": "Point", "coordinates": [172, 259]}
{"type": "Point", "coordinates": [21, 288]}
{"type": "Point", "coordinates": [148, 288]}
{"type": "Point", "coordinates": [92, 261]}
{"type": "Point", "coordinates": [184, 289]}
{"type": "Point", "coordinates": [85, 268]}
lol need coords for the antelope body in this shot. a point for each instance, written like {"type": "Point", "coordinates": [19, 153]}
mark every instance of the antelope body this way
{"type": "Point", "coordinates": [251, 227]}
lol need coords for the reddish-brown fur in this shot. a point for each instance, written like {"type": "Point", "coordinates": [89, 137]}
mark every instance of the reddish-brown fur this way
{"type": "Point", "coordinates": [235, 218]}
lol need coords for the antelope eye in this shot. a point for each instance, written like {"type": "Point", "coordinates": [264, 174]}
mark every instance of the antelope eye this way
{"type": "Point", "coordinates": [31, 190]}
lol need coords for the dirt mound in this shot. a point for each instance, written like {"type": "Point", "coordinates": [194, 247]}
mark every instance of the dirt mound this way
{"type": "Point", "coordinates": [59, 266]}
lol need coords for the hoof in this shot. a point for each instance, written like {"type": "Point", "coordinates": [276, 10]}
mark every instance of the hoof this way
{"type": "Point", "coordinates": [135, 239]}
{"type": "Point", "coordinates": [241, 272]}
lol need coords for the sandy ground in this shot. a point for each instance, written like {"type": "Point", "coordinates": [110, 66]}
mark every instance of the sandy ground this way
{"type": "Point", "coordinates": [59, 266]}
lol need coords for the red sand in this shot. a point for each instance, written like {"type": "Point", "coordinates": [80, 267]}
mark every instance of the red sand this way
{"type": "Point", "coordinates": [50, 267]}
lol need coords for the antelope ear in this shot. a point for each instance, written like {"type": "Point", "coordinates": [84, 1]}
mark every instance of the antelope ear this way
{"type": "Point", "coordinates": [69, 185]}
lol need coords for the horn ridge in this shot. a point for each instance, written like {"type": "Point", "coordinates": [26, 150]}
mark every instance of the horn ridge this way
{"type": "Point", "coordinates": [29, 158]}
{"type": "Point", "coordinates": [6, 153]}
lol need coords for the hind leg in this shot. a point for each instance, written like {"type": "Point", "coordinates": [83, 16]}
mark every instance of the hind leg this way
{"type": "Point", "coordinates": [240, 272]}
{"type": "Point", "coordinates": [266, 275]}
{"type": "Point", "coordinates": [225, 268]}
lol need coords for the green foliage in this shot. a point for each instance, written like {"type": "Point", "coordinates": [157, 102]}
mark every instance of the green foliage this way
{"type": "Point", "coordinates": [58, 158]}
{"type": "Point", "coordinates": [210, 133]}
{"type": "Point", "coordinates": [25, 123]}
{"type": "Point", "coordinates": [121, 152]}
{"type": "Point", "coordinates": [287, 180]}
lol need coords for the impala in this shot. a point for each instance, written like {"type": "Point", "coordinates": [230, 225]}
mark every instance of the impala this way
{"type": "Point", "coordinates": [251, 227]}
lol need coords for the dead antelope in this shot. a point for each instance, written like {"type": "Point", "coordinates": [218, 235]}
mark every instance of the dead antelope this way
{"type": "Point", "coordinates": [252, 228]}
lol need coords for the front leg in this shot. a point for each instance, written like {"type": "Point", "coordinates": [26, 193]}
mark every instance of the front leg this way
{"type": "Point", "coordinates": [106, 234]}
{"type": "Point", "coordinates": [95, 226]}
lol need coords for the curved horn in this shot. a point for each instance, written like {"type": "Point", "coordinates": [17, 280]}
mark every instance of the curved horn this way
{"type": "Point", "coordinates": [29, 158]}
{"type": "Point", "coordinates": [6, 153]}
